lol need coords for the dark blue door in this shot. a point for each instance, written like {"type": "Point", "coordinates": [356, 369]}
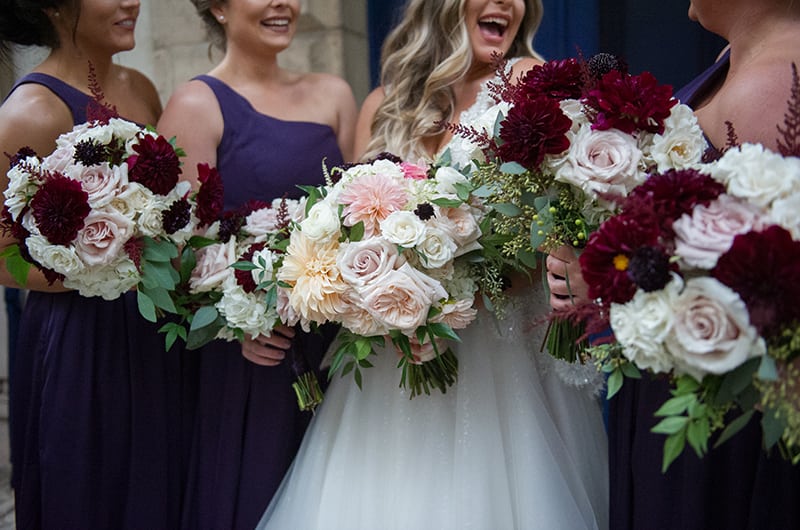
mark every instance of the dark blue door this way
{"type": "Point", "coordinates": [654, 36]}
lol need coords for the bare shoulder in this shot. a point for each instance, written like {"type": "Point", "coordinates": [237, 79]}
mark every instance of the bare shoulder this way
{"type": "Point", "coordinates": [32, 116]}
{"type": "Point", "coordinates": [140, 85]}
{"type": "Point", "coordinates": [756, 100]}
{"type": "Point", "coordinates": [192, 96]}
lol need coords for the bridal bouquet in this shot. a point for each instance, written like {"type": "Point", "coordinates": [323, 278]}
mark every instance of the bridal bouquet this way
{"type": "Point", "coordinates": [103, 213]}
{"type": "Point", "coordinates": [699, 277]}
{"type": "Point", "coordinates": [384, 251]}
{"type": "Point", "coordinates": [561, 148]}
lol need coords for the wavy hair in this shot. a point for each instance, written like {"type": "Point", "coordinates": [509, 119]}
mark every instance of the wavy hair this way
{"type": "Point", "coordinates": [214, 30]}
{"type": "Point", "coordinates": [426, 54]}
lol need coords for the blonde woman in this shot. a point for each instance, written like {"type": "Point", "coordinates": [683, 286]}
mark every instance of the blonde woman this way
{"type": "Point", "coordinates": [510, 445]}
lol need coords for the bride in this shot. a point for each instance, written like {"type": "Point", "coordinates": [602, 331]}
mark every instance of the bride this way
{"type": "Point", "coordinates": [518, 442]}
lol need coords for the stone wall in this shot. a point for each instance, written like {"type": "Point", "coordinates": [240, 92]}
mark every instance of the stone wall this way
{"type": "Point", "coordinates": [171, 45]}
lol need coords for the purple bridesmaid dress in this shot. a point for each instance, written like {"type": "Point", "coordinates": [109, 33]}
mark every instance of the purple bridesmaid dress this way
{"type": "Point", "coordinates": [736, 486]}
{"type": "Point", "coordinates": [100, 412]}
{"type": "Point", "coordinates": [248, 424]}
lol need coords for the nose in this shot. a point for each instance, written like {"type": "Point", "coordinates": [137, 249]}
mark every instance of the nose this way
{"type": "Point", "coordinates": [129, 4]}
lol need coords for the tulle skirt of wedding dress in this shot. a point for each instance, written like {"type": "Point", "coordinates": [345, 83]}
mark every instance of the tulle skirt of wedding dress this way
{"type": "Point", "coordinates": [510, 446]}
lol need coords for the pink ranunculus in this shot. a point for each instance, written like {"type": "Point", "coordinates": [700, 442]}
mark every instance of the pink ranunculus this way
{"type": "Point", "coordinates": [370, 199]}
{"type": "Point", "coordinates": [213, 266]}
{"type": "Point", "coordinates": [401, 298]}
{"type": "Point", "coordinates": [363, 261]}
{"type": "Point", "coordinates": [711, 330]}
{"type": "Point", "coordinates": [102, 238]}
{"type": "Point", "coordinates": [413, 171]}
{"type": "Point", "coordinates": [707, 233]}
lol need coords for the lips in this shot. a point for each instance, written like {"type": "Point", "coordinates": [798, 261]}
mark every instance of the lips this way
{"type": "Point", "coordinates": [128, 23]}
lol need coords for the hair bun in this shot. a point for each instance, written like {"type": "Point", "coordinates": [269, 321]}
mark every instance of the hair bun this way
{"type": "Point", "coordinates": [24, 22]}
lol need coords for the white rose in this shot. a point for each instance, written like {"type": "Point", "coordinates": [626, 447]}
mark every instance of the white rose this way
{"type": "Point", "coordinates": [107, 282]}
{"type": "Point", "coordinates": [265, 260]}
{"type": "Point", "coordinates": [682, 143]}
{"type": "Point", "coordinates": [213, 266]}
{"type": "Point", "coordinates": [322, 223]}
{"type": "Point", "coordinates": [127, 130]}
{"type": "Point", "coordinates": [361, 262]}
{"type": "Point", "coordinates": [246, 311]}
{"type": "Point", "coordinates": [61, 259]}
{"type": "Point", "coordinates": [403, 228]}
{"type": "Point", "coordinates": [706, 233]}
{"type": "Point", "coordinates": [711, 332]}
{"type": "Point", "coordinates": [21, 187]}
{"type": "Point", "coordinates": [574, 110]}
{"type": "Point", "coordinates": [151, 218]}
{"type": "Point", "coordinates": [786, 213]}
{"type": "Point", "coordinates": [642, 324]}
{"type": "Point", "coordinates": [101, 240]}
{"type": "Point", "coordinates": [437, 248]}
{"type": "Point", "coordinates": [460, 224]}
{"type": "Point", "coordinates": [69, 138]}
{"type": "Point", "coordinates": [402, 298]}
{"type": "Point", "coordinates": [600, 162]}
{"type": "Point", "coordinates": [133, 199]}
{"type": "Point", "coordinates": [446, 179]}
{"type": "Point", "coordinates": [757, 175]}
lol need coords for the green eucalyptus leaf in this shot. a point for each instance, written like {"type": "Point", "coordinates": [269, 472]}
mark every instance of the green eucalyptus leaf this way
{"type": "Point", "coordinates": [203, 317]}
{"type": "Point", "coordinates": [767, 370]}
{"type": "Point", "coordinates": [773, 427]}
{"type": "Point", "coordinates": [146, 306]}
{"type": "Point", "coordinates": [676, 405]}
{"type": "Point", "coordinates": [670, 425]}
{"type": "Point", "coordinates": [615, 380]}
{"type": "Point", "coordinates": [673, 447]}
{"type": "Point", "coordinates": [733, 427]}
{"type": "Point", "coordinates": [508, 209]}
{"type": "Point", "coordinates": [513, 168]}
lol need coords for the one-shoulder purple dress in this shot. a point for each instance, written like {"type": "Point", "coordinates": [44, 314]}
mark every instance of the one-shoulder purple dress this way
{"type": "Point", "coordinates": [249, 426]}
{"type": "Point", "coordinates": [736, 486]}
{"type": "Point", "coordinates": [100, 410]}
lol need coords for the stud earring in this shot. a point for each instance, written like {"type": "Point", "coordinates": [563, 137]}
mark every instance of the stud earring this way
{"type": "Point", "coordinates": [221, 19]}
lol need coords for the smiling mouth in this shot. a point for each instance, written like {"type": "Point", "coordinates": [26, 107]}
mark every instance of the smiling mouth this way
{"type": "Point", "coordinates": [127, 23]}
{"type": "Point", "coordinates": [493, 26]}
{"type": "Point", "coordinates": [280, 23]}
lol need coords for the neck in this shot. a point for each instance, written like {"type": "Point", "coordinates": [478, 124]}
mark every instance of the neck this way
{"type": "Point", "coordinates": [73, 66]}
{"type": "Point", "coordinates": [238, 66]}
{"type": "Point", "coordinates": [751, 35]}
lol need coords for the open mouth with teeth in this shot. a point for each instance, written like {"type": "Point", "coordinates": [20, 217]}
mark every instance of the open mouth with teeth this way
{"type": "Point", "coordinates": [493, 26]}
{"type": "Point", "coordinates": [278, 23]}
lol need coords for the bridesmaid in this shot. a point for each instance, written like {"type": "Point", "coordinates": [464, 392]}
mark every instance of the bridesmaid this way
{"type": "Point", "coordinates": [737, 485]}
{"type": "Point", "coordinates": [266, 129]}
{"type": "Point", "coordinates": [96, 404]}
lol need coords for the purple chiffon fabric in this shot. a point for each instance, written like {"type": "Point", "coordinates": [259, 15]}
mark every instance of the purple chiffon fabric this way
{"type": "Point", "coordinates": [736, 486]}
{"type": "Point", "coordinates": [249, 426]}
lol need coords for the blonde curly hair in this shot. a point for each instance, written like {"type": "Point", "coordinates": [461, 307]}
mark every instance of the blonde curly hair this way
{"type": "Point", "coordinates": [422, 59]}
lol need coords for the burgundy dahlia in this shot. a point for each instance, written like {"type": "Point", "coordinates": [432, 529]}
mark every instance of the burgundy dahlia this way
{"type": "Point", "coordinates": [764, 269]}
{"type": "Point", "coordinates": [630, 103]}
{"type": "Point", "coordinates": [60, 207]}
{"type": "Point", "coordinates": [557, 79]}
{"type": "Point", "coordinates": [667, 196]}
{"type": "Point", "coordinates": [605, 262]}
{"type": "Point", "coordinates": [210, 196]}
{"type": "Point", "coordinates": [245, 278]}
{"type": "Point", "coordinates": [156, 166]}
{"type": "Point", "coordinates": [532, 129]}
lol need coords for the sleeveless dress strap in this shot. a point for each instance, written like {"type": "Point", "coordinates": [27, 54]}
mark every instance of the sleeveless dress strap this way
{"type": "Point", "coordinates": [74, 99]}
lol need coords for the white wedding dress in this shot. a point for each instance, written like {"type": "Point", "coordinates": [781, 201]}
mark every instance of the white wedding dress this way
{"type": "Point", "coordinates": [517, 443]}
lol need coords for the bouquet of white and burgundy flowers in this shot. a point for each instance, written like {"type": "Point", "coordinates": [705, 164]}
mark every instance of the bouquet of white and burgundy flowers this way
{"type": "Point", "coordinates": [699, 278]}
{"type": "Point", "coordinates": [385, 252]}
{"type": "Point", "coordinates": [103, 213]}
{"type": "Point", "coordinates": [563, 145]}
